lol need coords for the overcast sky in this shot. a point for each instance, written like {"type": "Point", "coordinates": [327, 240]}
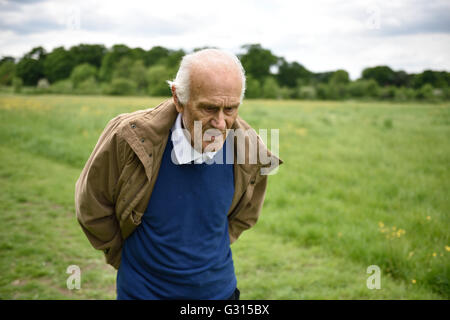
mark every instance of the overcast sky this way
{"type": "Point", "coordinates": [412, 35]}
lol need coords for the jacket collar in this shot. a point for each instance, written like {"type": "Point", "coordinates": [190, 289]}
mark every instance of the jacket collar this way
{"type": "Point", "coordinates": [151, 129]}
{"type": "Point", "coordinates": [182, 148]}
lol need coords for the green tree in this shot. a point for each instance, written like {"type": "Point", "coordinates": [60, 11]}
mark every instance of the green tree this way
{"type": "Point", "coordinates": [58, 64]}
{"type": "Point", "coordinates": [30, 67]}
{"type": "Point", "coordinates": [81, 73]}
{"type": "Point", "coordinates": [322, 77]}
{"type": "Point", "coordinates": [337, 85]}
{"type": "Point", "coordinates": [111, 59]}
{"type": "Point", "coordinates": [122, 86]}
{"type": "Point", "coordinates": [289, 74]}
{"type": "Point", "coordinates": [172, 61]}
{"type": "Point", "coordinates": [257, 61]}
{"type": "Point", "coordinates": [88, 53]}
{"type": "Point", "coordinates": [339, 77]}
{"type": "Point", "coordinates": [270, 89]}
{"type": "Point", "coordinates": [404, 94]}
{"type": "Point", "coordinates": [7, 70]}
{"type": "Point", "coordinates": [155, 55]}
{"type": "Point", "coordinates": [62, 86]}
{"type": "Point", "coordinates": [402, 79]}
{"type": "Point", "coordinates": [425, 92]}
{"type": "Point", "coordinates": [363, 88]}
{"type": "Point", "coordinates": [138, 73]}
{"type": "Point", "coordinates": [88, 86]}
{"type": "Point", "coordinates": [387, 92]}
{"type": "Point", "coordinates": [137, 54]}
{"type": "Point", "coordinates": [123, 68]}
{"type": "Point", "coordinates": [156, 79]}
{"type": "Point", "coordinates": [323, 91]}
{"type": "Point", "coordinates": [437, 79]}
{"type": "Point", "coordinates": [17, 84]}
{"type": "Point", "coordinates": [383, 75]}
{"type": "Point", "coordinates": [253, 88]}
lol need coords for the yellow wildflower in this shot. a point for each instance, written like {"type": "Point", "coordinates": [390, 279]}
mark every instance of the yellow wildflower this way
{"type": "Point", "coordinates": [381, 224]}
{"type": "Point", "coordinates": [447, 248]}
{"type": "Point", "coordinates": [428, 218]}
{"type": "Point", "coordinates": [434, 254]}
{"type": "Point", "coordinates": [413, 281]}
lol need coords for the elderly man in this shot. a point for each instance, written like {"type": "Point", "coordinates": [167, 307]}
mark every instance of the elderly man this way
{"type": "Point", "coordinates": [159, 194]}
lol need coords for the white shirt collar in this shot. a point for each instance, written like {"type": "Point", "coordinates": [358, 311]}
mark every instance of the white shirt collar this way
{"type": "Point", "coordinates": [184, 152]}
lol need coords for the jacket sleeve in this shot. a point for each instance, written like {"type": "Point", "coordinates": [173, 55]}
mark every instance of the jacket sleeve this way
{"type": "Point", "coordinates": [249, 214]}
{"type": "Point", "coordinates": [94, 194]}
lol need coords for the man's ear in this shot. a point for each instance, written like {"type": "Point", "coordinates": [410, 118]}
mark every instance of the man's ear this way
{"type": "Point", "coordinates": [178, 105]}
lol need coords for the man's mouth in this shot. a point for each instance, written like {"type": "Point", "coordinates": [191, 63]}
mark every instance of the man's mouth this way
{"type": "Point", "coordinates": [212, 137]}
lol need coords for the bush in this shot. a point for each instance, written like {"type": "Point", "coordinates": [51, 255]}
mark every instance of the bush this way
{"type": "Point", "coordinates": [404, 94]}
{"type": "Point", "coordinates": [270, 89]}
{"type": "Point", "coordinates": [81, 73]}
{"type": "Point", "coordinates": [89, 86]}
{"type": "Point", "coordinates": [446, 93]}
{"type": "Point", "coordinates": [121, 86]}
{"type": "Point", "coordinates": [17, 84]}
{"type": "Point", "coordinates": [253, 88]}
{"type": "Point", "coordinates": [322, 91]}
{"type": "Point", "coordinates": [387, 93]}
{"type": "Point", "coordinates": [157, 76]}
{"type": "Point", "coordinates": [7, 70]}
{"type": "Point", "coordinates": [363, 88]}
{"type": "Point", "coordinates": [425, 92]}
{"type": "Point", "coordinates": [138, 74]}
{"type": "Point", "coordinates": [62, 86]}
{"type": "Point", "coordinates": [307, 92]}
{"type": "Point", "coordinates": [287, 93]}
{"type": "Point", "coordinates": [337, 91]}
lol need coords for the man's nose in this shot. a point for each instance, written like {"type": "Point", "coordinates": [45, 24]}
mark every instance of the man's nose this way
{"type": "Point", "coordinates": [218, 122]}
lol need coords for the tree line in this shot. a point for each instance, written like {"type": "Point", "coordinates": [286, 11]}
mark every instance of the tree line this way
{"type": "Point", "coordinates": [121, 70]}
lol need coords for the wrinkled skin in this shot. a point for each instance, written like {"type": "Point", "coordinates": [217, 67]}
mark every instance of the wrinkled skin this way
{"type": "Point", "coordinates": [214, 100]}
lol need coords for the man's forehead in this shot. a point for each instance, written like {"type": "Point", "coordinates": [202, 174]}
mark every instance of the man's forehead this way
{"type": "Point", "coordinates": [218, 83]}
{"type": "Point", "coordinates": [215, 73]}
{"type": "Point", "coordinates": [219, 101]}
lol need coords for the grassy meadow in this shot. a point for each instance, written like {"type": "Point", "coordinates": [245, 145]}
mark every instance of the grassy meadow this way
{"type": "Point", "coordinates": [363, 183]}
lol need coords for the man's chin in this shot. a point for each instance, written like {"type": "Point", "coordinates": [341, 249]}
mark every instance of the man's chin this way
{"type": "Point", "coordinates": [212, 146]}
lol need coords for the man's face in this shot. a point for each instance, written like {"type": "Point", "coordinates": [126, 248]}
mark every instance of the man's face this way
{"type": "Point", "coordinates": [214, 101]}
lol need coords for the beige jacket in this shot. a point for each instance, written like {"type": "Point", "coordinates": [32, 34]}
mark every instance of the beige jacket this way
{"type": "Point", "coordinates": [114, 187]}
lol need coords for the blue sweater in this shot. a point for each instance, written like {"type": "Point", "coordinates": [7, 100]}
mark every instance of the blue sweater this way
{"type": "Point", "coordinates": [181, 249]}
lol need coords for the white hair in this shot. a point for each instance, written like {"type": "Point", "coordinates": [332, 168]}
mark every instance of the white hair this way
{"type": "Point", "coordinates": [202, 57]}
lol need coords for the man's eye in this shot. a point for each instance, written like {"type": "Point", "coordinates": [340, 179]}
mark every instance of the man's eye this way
{"type": "Point", "coordinates": [228, 109]}
{"type": "Point", "coordinates": [210, 109]}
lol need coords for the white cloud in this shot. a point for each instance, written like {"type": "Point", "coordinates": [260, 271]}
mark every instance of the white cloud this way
{"type": "Point", "coordinates": [322, 35]}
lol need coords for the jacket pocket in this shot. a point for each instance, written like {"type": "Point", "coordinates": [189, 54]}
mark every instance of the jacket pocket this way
{"type": "Point", "coordinates": [136, 217]}
{"type": "Point", "coordinates": [245, 198]}
{"type": "Point", "coordinates": [129, 224]}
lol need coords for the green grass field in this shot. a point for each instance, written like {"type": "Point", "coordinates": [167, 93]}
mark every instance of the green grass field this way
{"type": "Point", "coordinates": [362, 184]}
